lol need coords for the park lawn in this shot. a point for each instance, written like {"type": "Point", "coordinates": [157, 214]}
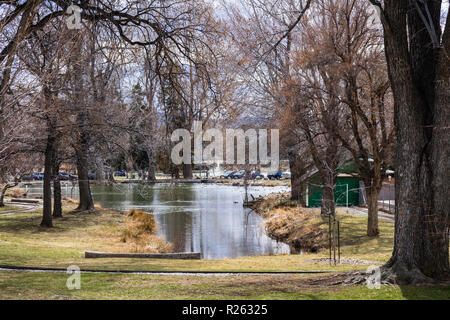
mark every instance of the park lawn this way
{"type": "Point", "coordinates": [7, 208]}
{"type": "Point", "coordinates": [24, 243]}
{"type": "Point", "coordinates": [41, 285]}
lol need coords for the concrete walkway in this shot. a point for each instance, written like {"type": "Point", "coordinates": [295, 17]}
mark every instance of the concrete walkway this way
{"type": "Point", "coordinates": [25, 207]}
{"type": "Point", "coordinates": [363, 212]}
{"type": "Point", "coordinates": [164, 273]}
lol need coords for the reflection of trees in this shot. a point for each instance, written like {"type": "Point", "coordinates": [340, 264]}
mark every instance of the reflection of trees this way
{"type": "Point", "coordinates": [176, 226]}
{"type": "Point", "coordinates": [144, 192]}
{"type": "Point", "coordinates": [174, 192]}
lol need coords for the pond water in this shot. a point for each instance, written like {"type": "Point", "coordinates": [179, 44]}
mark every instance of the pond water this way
{"type": "Point", "coordinates": [206, 218]}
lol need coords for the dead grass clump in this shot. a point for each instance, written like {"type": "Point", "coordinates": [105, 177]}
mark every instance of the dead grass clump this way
{"type": "Point", "coordinates": [300, 228]}
{"type": "Point", "coordinates": [272, 201]}
{"type": "Point", "coordinates": [98, 206]}
{"type": "Point", "coordinates": [140, 233]}
{"type": "Point", "coordinates": [70, 200]}
{"type": "Point", "coordinates": [18, 193]}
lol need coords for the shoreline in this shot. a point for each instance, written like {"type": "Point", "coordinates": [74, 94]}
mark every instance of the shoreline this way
{"type": "Point", "coordinates": [236, 182]}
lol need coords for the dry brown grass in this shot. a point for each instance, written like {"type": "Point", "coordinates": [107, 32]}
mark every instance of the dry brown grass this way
{"type": "Point", "coordinates": [18, 193]}
{"type": "Point", "coordinates": [301, 228]}
{"type": "Point", "coordinates": [273, 201]}
{"type": "Point", "coordinates": [70, 200]}
{"type": "Point", "coordinates": [140, 233]}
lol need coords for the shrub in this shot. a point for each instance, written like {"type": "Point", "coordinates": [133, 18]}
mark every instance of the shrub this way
{"type": "Point", "coordinates": [300, 228]}
{"type": "Point", "coordinates": [18, 193]}
{"type": "Point", "coordinates": [140, 233]}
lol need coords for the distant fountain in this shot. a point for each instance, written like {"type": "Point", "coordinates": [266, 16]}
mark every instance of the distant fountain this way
{"type": "Point", "coordinates": [216, 171]}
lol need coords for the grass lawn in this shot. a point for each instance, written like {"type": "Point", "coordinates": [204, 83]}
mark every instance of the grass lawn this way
{"type": "Point", "coordinates": [23, 285]}
{"type": "Point", "coordinates": [24, 243]}
{"type": "Point", "coordinates": [9, 208]}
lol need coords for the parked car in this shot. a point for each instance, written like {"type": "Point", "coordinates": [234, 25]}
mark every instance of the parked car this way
{"type": "Point", "coordinates": [256, 175]}
{"type": "Point", "coordinates": [39, 176]}
{"type": "Point", "coordinates": [27, 177]}
{"type": "Point", "coordinates": [120, 173]}
{"type": "Point", "coordinates": [92, 176]}
{"type": "Point", "coordinates": [63, 175]}
{"type": "Point", "coordinates": [286, 174]}
{"type": "Point", "coordinates": [226, 174]}
{"type": "Point", "coordinates": [238, 174]}
{"type": "Point", "coordinates": [275, 176]}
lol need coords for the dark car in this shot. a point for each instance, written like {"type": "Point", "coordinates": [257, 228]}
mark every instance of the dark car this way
{"type": "Point", "coordinates": [64, 176]}
{"type": "Point", "coordinates": [256, 175]}
{"type": "Point", "coordinates": [278, 175]}
{"type": "Point", "coordinates": [227, 174]}
{"type": "Point", "coordinates": [120, 173]}
{"type": "Point", "coordinates": [39, 176]}
{"type": "Point", "coordinates": [238, 174]}
{"type": "Point", "coordinates": [92, 176]}
{"type": "Point", "coordinates": [27, 177]}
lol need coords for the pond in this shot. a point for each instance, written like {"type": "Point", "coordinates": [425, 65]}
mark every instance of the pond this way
{"type": "Point", "coordinates": [206, 218]}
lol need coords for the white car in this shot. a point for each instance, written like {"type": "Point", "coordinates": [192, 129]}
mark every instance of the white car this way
{"type": "Point", "coordinates": [286, 175]}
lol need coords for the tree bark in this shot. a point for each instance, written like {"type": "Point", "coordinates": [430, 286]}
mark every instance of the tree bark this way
{"type": "Point", "coordinates": [187, 171]}
{"type": "Point", "coordinates": [57, 204]}
{"type": "Point", "coordinates": [298, 169]}
{"type": "Point", "coordinates": [151, 174]}
{"type": "Point", "coordinates": [421, 119]}
{"type": "Point", "coordinates": [47, 187]}
{"type": "Point", "coordinates": [86, 202]}
{"type": "Point", "coordinates": [372, 205]}
{"type": "Point", "coordinates": [328, 205]}
{"type": "Point", "coordinates": [439, 223]}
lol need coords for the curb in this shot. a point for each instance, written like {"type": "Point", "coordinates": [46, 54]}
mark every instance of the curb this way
{"type": "Point", "coordinates": [193, 272]}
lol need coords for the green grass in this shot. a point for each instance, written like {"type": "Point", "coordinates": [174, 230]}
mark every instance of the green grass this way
{"type": "Point", "coordinates": [24, 243]}
{"type": "Point", "coordinates": [8, 208]}
{"type": "Point", "coordinates": [20, 285]}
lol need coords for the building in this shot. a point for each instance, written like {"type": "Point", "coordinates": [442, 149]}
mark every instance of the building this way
{"type": "Point", "coordinates": [346, 193]}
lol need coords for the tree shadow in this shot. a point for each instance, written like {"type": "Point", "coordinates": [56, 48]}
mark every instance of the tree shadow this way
{"type": "Point", "coordinates": [26, 224]}
{"type": "Point", "coordinates": [426, 292]}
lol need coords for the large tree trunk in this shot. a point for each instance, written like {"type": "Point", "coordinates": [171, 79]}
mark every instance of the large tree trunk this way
{"type": "Point", "coordinates": [187, 171]}
{"type": "Point", "coordinates": [86, 202]}
{"type": "Point", "coordinates": [57, 204]}
{"type": "Point", "coordinates": [422, 150]}
{"type": "Point", "coordinates": [47, 188]}
{"type": "Point", "coordinates": [440, 222]}
{"type": "Point", "coordinates": [80, 108]}
{"type": "Point", "coordinates": [372, 205]}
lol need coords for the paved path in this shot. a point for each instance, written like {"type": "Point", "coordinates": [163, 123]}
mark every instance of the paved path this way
{"type": "Point", "coordinates": [164, 273]}
{"type": "Point", "coordinates": [363, 212]}
{"type": "Point", "coordinates": [25, 207]}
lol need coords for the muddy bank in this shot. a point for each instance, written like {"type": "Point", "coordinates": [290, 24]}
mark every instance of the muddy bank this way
{"type": "Point", "coordinates": [301, 228]}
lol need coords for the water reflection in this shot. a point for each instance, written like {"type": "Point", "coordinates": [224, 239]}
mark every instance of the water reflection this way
{"type": "Point", "coordinates": [204, 218]}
